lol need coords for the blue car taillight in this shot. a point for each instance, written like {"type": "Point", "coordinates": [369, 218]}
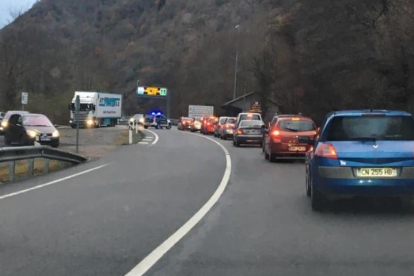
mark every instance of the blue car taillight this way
{"type": "Point", "coordinates": [326, 150]}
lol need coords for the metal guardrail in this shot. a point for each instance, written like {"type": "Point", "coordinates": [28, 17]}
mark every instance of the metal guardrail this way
{"type": "Point", "coordinates": [14, 154]}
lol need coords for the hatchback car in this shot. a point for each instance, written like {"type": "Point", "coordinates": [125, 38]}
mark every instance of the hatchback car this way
{"type": "Point", "coordinates": [26, 129]}
{"type": "Point", "coordinates": [196, 125]}
{"type": "Point", "coordinates": [283, 139]}
{"type": "Point", "coordinates": [208, 125]}
{"type": "Point", "coordinates": [227, 130]}
{"type": "Point", "coordinates": [219, 125]}
{"type": "Point", "coordinates": [361, 153]}
{"type": "Point", "coordinates": [185, 123]}
{"type": "Point", "coordinates": [5, 120]}
{"type": "Point", "coordinates": [249, 132]}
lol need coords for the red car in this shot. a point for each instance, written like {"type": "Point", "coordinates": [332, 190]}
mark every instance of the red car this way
{"type": "Point", "coordinates": [185, 123]}
{"type": "Point", "coordinates": [208, 125]}
{"type": "Point", "coordinates": [282, 139]}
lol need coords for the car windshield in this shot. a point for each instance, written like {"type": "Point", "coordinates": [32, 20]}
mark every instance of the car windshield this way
{"type": "Point", "coordinates": [253, 123]}
{"type": "Point", "coordinates": [296, 126]}
{"type": "Point", "coordinates": [231, 121]}
{"type": "Point", "coordinates": [36, 121]}
{"type": "Point", "coordinates": [249, 117]}
{"type": "Point", "coordinates": [138, 116]}
{"type": "Point", "coordinates": [222, 120]}
{"type": "Point", "coordinates": [371, 128]}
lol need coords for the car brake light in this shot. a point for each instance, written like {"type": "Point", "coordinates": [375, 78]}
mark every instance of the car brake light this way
{"type": "Point", "coordinates": [275, 133]}
{"type": "Point", "coordinates": [239, 131]}
{"type": "Point", "coordinates": [326, 150]}
{"type": "Point", "coordinates": [295, 119]}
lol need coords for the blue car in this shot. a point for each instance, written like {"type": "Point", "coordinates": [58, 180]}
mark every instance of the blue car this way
{"type": "Point", "coordinates": [361, 153]}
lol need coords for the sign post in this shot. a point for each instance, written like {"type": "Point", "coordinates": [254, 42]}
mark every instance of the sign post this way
{"type": "Point", "coordinates": [25, 99]}
{"type": "Point", "coordinates": [77, 107]}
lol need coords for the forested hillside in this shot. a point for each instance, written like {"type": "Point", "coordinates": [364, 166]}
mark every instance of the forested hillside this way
{"type": "Point", "coordinates": [310, 56]}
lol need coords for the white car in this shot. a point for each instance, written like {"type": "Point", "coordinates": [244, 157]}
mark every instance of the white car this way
{"type": "Point", "coordinates": [248, 117]}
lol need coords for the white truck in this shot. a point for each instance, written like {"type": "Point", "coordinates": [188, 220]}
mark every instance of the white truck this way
{"type": "Point", "coordinates": [96, 109]}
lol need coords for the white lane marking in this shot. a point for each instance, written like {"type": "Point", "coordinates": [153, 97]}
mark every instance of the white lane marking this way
{"type": "Point", "coordinates": [51, 183]}
{"type": "Point", "coordinates": [143, 143]}
{"type": "Point", "coordinates": [147, 139]}
{"type": "Point", "coordinates": [159, 252]}
{"type": "Point", "coordinates": [156, 136]}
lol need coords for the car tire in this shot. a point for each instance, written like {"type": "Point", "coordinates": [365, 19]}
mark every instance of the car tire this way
{"type": "Point", "coordinates": [7, 141]}
{"type": "Point", "coordinates": [266, 155]}
{"type": "Point", "coordinates": [146, 127]}
{"type": "Point", "coordinates": [307, 184]}
{"type": "Point", "coordinates": [73, 126]}
{"type": "Point", "coordinates": [168, 126]}
{"type": "Point", "coordinates": [318, 200]}
{"type": "Point", "coordinates": [272, 157]}
{"type": "Point", "coordinates": [236, 144]}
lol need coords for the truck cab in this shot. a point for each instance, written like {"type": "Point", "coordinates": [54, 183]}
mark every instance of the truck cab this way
{"type": "Point", "coordinates": [96, 109]}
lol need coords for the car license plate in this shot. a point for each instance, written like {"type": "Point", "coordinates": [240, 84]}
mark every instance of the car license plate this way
{"type": "Point", "coordinates": [377, 172]}
{"type": "Point", "coordinates": [45, 138]}
{"type": "Point", "coordinates": [297, 148]}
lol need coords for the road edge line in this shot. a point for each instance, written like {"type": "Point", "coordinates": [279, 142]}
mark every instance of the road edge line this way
{"type": "Point", "coordinates": [156, 136]}
{"type": "Point", "coordinates": [51, 183]}
{"type": "Point", "coordinates": [149, 261]}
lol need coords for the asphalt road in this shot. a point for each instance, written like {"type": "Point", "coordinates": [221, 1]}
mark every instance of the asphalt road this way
{"type": "Point", "coordinates": [106, 221]}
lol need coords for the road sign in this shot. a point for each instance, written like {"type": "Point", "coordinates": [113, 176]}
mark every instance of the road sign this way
{"type": "Point", "coordinates": [196, 111]}
{"type": "Point", "coordinates": [255, 107]}
{"type": "Point", "coordinates": [25, 98]}
{"type": "Point", "coordinates": [152, 91]}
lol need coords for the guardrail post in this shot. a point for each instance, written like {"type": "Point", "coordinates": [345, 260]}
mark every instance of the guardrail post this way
{"type": "Point", "coordinates": [12, 167]}
{"type": "Point", "coordinates": [46, 166]}
{"type": "Point", "coordinates": [31, 167]}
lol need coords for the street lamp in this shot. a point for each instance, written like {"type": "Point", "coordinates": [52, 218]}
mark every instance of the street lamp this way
{"type": "Point", "coordinates": [237, 62]}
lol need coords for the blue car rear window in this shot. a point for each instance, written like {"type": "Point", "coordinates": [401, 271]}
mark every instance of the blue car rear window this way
{"type": "Point", "coordinates": [396, 128]}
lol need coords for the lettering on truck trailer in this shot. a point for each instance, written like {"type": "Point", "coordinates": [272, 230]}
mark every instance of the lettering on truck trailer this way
{"type": "Point", "coordinates": [110, 102]}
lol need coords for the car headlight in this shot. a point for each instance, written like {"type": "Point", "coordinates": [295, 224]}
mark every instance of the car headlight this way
{"type": "Point", "coordinates": [141, 120]}
{"type": "Point", "coordinates": [31, 133]}
{"type": "Point", "coordinates": [4, 124]}
{"type": "Point", "coordinates": [131, 120]}
{"type": "Point", "coordinates": [89, 122]}
{"type": "Point", "coordinates": [55, 134]}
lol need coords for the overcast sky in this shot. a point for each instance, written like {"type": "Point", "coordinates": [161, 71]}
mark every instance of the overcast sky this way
{"type": "Point", "coordinates": [7, 5]}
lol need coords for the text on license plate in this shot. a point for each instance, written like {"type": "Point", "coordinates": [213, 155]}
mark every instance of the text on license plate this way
{"type": "Point", "coordinates": [44, 138]}
{"type": "Point", "coordinates": [377, 172]}
{"type": "Point", "coordinates": [297, 148]}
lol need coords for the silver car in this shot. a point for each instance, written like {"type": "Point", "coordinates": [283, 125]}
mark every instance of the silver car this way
{"type": "Point", "coordinates": [249, 132]}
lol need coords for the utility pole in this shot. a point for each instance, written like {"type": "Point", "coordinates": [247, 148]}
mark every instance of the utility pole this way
{"type": "Point", "coordinates": [237, 62]}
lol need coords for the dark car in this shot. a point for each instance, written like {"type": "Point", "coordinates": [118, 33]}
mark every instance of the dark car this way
{"type": "Point", "coordinates": [185, 123]}
{"type": "Point", "coordinates": [361, 154]}
{"type": "Point", "coordinates": [26, 129]}
{"type": "Point", "coordinates": [158, 121]}
{"type": "Point", "coordinates": [248, 132]}
{"type": "Point", "coordinates": [5, 120]}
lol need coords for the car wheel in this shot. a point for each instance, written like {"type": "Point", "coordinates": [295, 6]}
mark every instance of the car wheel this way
{"type": "Point", "coordinates": [7, 141]}
{"type": "Point", "coordinates": [318, 200]}
{"type": "Point", "coordinates": [272, 157]}
{"type": "Point", "coordinates": [308, 188]}
{"type": "Point", "coordinates": [146, 127]}
{"type": "Point", "coordinates": [168, 126]}
{"type": "Point", "coordinates": [73, 126]}
{"type": "Point", "coordinates": [236, 144]}
{"type": "Point", "coordinates": [266, 155]}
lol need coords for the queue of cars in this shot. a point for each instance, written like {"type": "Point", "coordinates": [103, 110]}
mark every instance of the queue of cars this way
{"type": "Point", "coordinates": [22, 128]}
{"type": "Point", "coordinates": [360, 153]}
